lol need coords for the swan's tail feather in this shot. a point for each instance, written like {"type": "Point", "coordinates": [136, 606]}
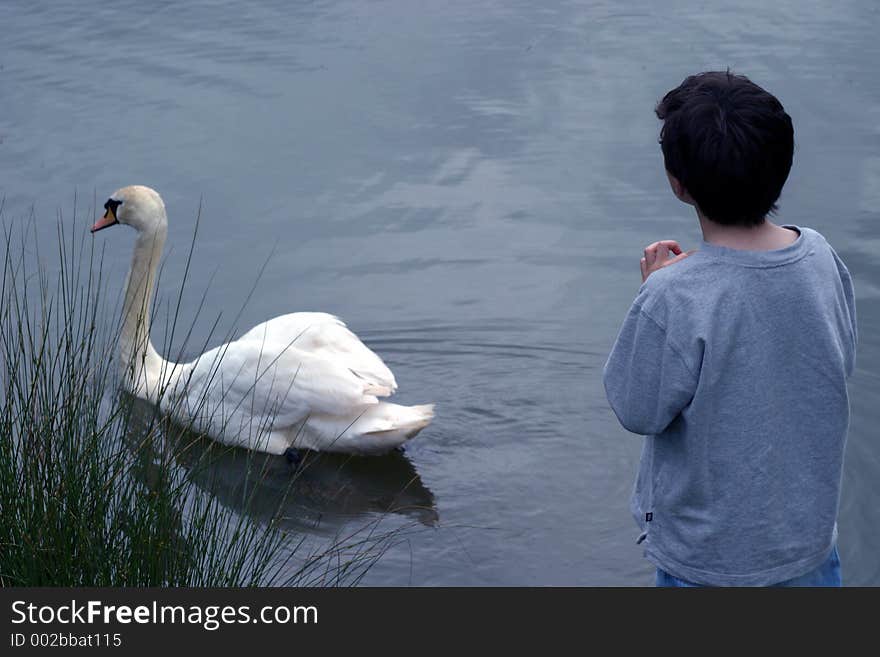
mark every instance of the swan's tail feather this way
{"type": "Point", "coordinates": [409, 423]}
{"type": "Point", "coordinates": [378, 429]}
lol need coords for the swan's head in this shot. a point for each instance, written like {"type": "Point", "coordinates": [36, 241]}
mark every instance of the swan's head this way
{"type": "Point", "coordinates": [137, 206]}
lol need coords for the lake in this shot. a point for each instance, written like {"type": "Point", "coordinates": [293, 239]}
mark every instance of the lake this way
{"type": "Point", "coordinates": [469, 186]}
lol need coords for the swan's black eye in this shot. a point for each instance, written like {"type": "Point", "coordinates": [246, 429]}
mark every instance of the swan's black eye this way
{"type": "Point", "coordinates": [112, 205]}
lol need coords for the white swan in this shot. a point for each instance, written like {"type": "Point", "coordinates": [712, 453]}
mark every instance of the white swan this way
{"type": "Point", "coordinates": [301, 380]}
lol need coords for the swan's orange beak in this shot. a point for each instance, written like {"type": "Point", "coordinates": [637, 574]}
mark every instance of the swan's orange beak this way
{"type": "Point", "coordinates": [109, 219]}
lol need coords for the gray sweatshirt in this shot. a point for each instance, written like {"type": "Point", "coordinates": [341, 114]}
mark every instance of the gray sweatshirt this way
{"type": "Point", "coordinates": [733, 364]}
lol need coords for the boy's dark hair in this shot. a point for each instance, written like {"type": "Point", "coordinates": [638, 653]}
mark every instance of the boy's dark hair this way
{"type": "Point", "coordinates": [729, 143]}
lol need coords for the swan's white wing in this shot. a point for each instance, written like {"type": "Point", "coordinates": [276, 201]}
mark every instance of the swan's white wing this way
{"type": "Point", "coordinates": [327, 337]}
{"type": "Point", "coordinates": [264, 384]}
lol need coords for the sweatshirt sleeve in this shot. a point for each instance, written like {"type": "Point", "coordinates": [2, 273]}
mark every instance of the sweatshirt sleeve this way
{"type": "Point", "coordinates": [850, 300]}
{"type": "Point", "coordinates": [646, 379]}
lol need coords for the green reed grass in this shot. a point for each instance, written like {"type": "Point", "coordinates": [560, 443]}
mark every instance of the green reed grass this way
{"type": "Point", "coordinates": [92, 491]}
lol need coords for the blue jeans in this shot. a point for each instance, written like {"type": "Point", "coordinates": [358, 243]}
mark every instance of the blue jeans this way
{"type": "Point", "coordinates": [827, 574]}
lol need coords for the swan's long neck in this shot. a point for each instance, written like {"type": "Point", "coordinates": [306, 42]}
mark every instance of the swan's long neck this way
{"type": "Point", "coordinates": [143, 368]}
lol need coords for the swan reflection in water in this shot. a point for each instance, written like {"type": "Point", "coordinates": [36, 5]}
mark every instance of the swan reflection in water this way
{"type": "Point", "coordinates": [322, 493]}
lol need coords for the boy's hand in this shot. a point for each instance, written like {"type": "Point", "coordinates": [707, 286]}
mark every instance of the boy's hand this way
{"type": "Point", "coordinates": [657, 256]}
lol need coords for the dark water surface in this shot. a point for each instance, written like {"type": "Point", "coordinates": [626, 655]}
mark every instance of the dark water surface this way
{"type": "Point", "coordinates": [468, 185]}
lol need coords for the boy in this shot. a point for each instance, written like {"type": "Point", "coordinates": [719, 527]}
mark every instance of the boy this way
{"type": "Point", "coordinates": [734, 357]}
